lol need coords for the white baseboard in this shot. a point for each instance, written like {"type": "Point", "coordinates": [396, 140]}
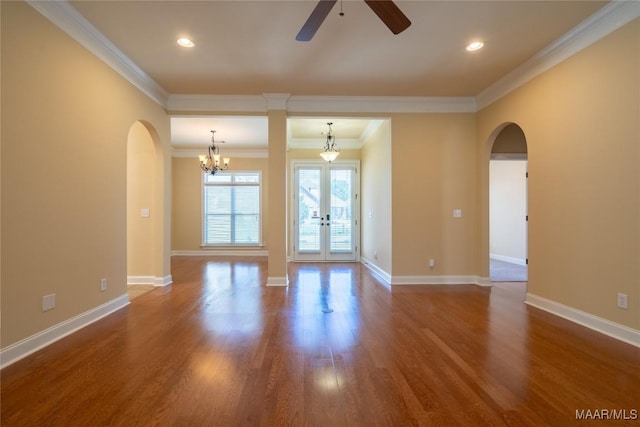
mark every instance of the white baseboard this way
{"type": "Point", "coordinates": [388, 279]}
{"type": "Point", "coordinates": [277, 281]}
{"type": "Point", "coordinates": [163, 281]}
{"type": "Point", "coordinates": [483, 281]}
{"type": "Point", "coordinates": [607, 327]}
{"type": "Point", "coordinates": [27, 346]}
{"type": "Point", "coordinates": [508, 259]}
{"type": "Point", "coordinates": [149, 280]}
{"type": "Point", "coordinates": [222, 252]}
{"type": "Point", "coordinates": [140, 280]}
{"type": "Point", "coordinates": [435, 280]}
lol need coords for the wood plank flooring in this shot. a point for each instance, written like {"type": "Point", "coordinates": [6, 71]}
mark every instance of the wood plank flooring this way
{"type": "Point", "coordinates": [218, 348]}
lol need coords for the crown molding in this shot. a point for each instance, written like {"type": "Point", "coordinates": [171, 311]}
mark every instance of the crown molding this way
{"type": "Point", "coordinates": [602, 23]}
{"type": "Point", "coordinates": [380, 104]}
{"type": "Point", "coordinates": [321, 104]}
{"type": "Point", "coordinates": [69, 20]}
{"type": "Point", "coordinates": [276, 101]}
{"type": "Point", "coordinates": [211, 103]}
{"type": "Point", "coordinates": [608, 19]}
{"type": "Point", "coordinates": [372, 127]}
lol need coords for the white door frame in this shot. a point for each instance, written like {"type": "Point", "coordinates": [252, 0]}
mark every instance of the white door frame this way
{"type": "Point", "coordinates": [351, 257]}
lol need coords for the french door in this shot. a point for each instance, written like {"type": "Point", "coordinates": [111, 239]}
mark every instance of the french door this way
{"type": "Point", "coordinates": [325, 220]}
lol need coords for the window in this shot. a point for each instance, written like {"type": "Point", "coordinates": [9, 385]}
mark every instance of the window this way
{"type": "Point", "coordinates": [232, 208]}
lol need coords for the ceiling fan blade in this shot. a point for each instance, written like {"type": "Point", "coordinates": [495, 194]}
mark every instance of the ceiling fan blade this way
{"type": "Point", "coordinates": [390, 14]}
{"type": "Point", "coordinates": [316, 19]}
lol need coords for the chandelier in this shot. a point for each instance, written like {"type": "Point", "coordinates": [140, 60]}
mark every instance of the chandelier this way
{"type": "Point", "coordinates": [211, 163]}
{"type": "Point", "coordinates": [330, 152]}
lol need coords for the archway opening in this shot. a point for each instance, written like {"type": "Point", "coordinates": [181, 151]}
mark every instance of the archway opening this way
{"type": "Point", "coordinates": [144, 210]}
{"type": "Point", "coordinates": [508, 210]}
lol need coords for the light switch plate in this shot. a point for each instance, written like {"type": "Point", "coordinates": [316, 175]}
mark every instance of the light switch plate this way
{"type": "Point", "coordinates": [48, 302]}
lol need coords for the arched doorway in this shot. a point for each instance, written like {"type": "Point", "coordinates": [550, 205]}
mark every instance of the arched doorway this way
{"type": "Point", "coordinates": [145, 208]}
{"type": "Point", "coordinates": [508, 217]}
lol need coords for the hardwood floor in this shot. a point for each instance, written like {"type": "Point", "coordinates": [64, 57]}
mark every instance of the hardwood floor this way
{"type": "Point", "coordinates": [218, 348]}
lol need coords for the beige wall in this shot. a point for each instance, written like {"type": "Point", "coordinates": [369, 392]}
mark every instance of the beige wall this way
{"type": "Point", "coordinates": [65, 121]}
{"type": "Point", "coordinates": [277, 193]}
{"type": "Point", "coordinates": [64, 227]}
{"type": "Point", "coordinates": [141, 177]}
{"type": "Point", "coordinates": [187, 200]}
{"type": "Point", "coordinates": [376, 209]}
{"type": "Point", "coordinates": [581, 123]}
{"type": "Point", "coordinates": [434, 172]}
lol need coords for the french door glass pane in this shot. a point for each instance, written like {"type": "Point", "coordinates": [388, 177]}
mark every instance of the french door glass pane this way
{"type": "Point", "coordinates": [340, 238]}
{"type": "Point", "coordinates": [309, 228]}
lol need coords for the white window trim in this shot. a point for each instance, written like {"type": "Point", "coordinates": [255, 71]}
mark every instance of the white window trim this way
{"type": "Point", "coordinates": [204, 185]}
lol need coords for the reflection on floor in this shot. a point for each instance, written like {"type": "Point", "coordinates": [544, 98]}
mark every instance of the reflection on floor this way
{"type": "Point", "coordinates": [336, 347]}
{"type": "Point", "coordinates": [501, 271]}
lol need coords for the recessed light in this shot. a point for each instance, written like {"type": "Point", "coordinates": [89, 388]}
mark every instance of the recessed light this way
{"type": "Point", "coordinates": [185, 42]}
{"type": "Point", "coordinates": [475, 46]}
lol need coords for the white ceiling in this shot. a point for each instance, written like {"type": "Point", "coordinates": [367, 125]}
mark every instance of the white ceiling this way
{"type": "Point", "coordinates": [239, 132]}
{"type": "Point", "coordinates": [249, 48]}
{"type": "Point", "coordinates": [251, 133]}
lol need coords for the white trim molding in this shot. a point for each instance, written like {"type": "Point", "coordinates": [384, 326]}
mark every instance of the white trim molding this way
{"type": "Point", "coordinates": [149, 280]}
{"type": "Point", "coordinates": [483, 281]}
{"type": "Point", "coordinates": [434, 280]}
{"type": "Point", "coordinates": [209, 103]}
{"type": "Point", "coordinates": [606, 20]}
{"type": "Point", "coordinates": [276, 101]}
{"type": "Point", "coordinates": [140, 280]}
{"type": "Point", "coordinates": [69, 20]}
{"type": "Point", "coordinates": [222, 252]}
{"type": "Point", "coordinates": [29, 345]}
{"type": "Point", "coordinates": [598, 324]}
{"type": "Point", "coordinates": [278, 281]}
{"type": "Point", "coordinates": [321, 104]}
{"type": "Point", "coordinates": [383, 275]}
{"type": "Point", "coordinates": [388, 279]}
{"type": "Point", "coordinates": [380, 104]}
{"type": "Point", "coordinates": [163, 281]}
{"type": "Point", "coordinates": [609, 18]}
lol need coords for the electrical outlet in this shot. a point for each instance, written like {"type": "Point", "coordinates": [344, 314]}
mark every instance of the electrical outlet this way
{"type": "Point", "coordinates": [623, 301]}
{"type": "Point", "coordinates": [432, 263]}
{"type": "Point", "coordinates": [103, 285]}
{"type": "Point", "coordinates": [457, 213]}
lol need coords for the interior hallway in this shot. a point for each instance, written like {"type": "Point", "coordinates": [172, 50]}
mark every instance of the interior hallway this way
{"type": "Point", "coordinates": [501, 271]}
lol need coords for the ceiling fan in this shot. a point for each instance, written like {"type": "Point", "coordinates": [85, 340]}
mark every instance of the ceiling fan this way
{"type": "Point", "coordinates": [386, 10]}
